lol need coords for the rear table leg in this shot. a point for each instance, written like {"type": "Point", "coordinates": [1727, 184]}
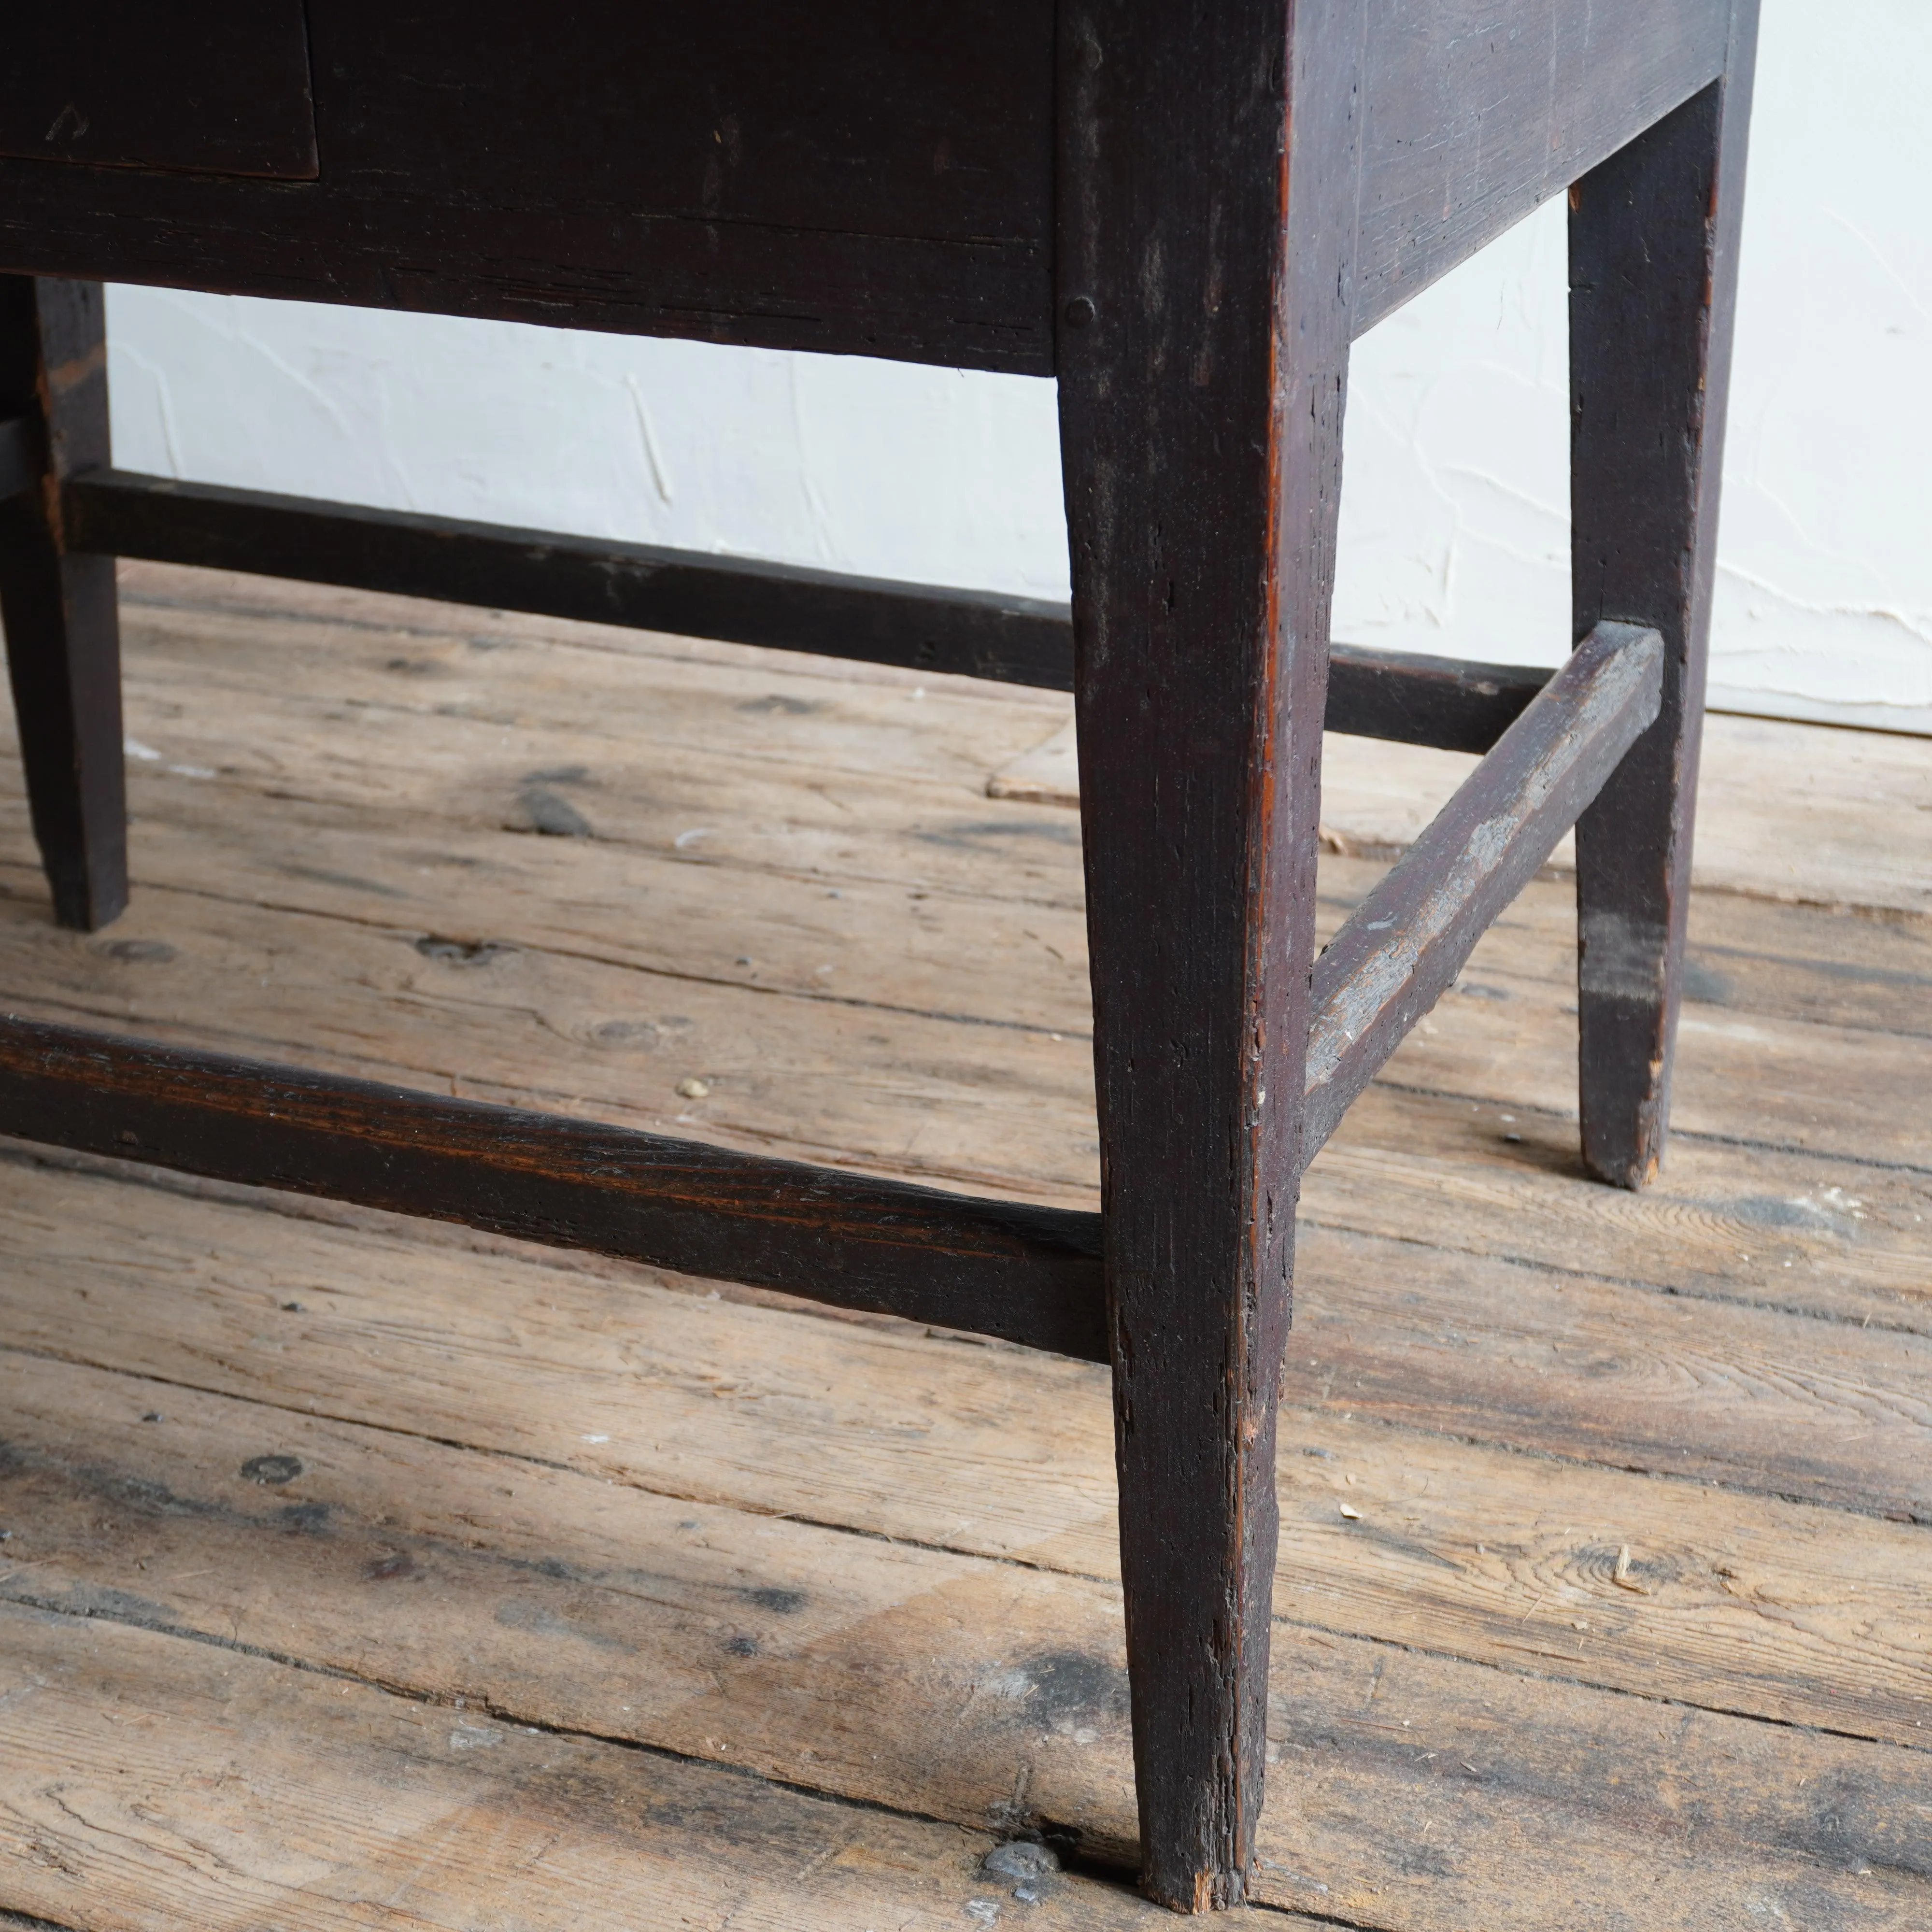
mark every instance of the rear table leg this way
{"type": "Point", "coordinates": [1653, 274]}
{"type": "Point", "coordinates": [1203, 349]}
{"type": "Point", "coordinates": [63, 632]}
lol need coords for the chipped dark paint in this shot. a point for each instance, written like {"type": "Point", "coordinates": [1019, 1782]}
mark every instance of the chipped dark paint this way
{"type": "Point", "coordinates": [1208, 254]}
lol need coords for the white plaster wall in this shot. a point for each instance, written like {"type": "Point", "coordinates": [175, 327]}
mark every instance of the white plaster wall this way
{"type": "Point", "coordinates": [1454, 523]}
{"type": "Point", "coordinates": [1455, 520]}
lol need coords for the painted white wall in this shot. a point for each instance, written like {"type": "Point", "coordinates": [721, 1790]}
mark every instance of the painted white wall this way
{"type": "Point", "coordinates": [1454, 517]}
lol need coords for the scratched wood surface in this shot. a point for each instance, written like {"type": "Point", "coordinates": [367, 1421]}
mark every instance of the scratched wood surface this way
{"type": "Point", "coordinates": [360, 1572]}
{"type": "Point", "coordinates": [855, 178]}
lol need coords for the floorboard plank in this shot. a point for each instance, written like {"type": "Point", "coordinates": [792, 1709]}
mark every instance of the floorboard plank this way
{"type": "Point", "coordinates": [989, 1452]}
{"type": "Point", "coordinates": [560, 864]}
{"type": "Point", "coordinates": [1567, 1364]}
{"type": "Point", "coordinates": [539, 1598]}
{"type": "Point", "coordinates": [152, 1783]}
{"type": "Point", "coordinates": [299, 984]}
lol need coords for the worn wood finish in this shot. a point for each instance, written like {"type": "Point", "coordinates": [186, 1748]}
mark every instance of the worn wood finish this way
{"type": "Point", "coordinates": [343, 1804]}
{"type": "Point", "coordinates": [1806, 815]}
{"type": "Point", "coordinates": [856, 178]}
{"type": "Point", "coordinates": [1024, 1272]}
{"type": "Point", "coordinates": [691, 593]}
{"type": "Point", "coordinates": [536, 1005]}
{"type": "Point", "coordinates": [1404, 945]}
{"type": "Point", "coordinates": [63, 634]}
{"type": "Point", "coordinates": [1653, 273]}
{"type": "Point", "coordinates": [1390, 694]}
{"type": "Point", "coordinates": [809, 1655]}
{"type": "Point", "coordinates": [896, 204]}
{"type": "Point", "coordinates": [1203, 351]}
{"type": "Point", "coordinates": [1407, 699]}
{"type": "Point", "coordinates": [1200, 212]}
{"type": "Point", "coordinates": [1505, 1306]}
{"type": "Point", "coordinates": [371, 771]}
{"type": "Point", "coordinates": [818, 1644]}
{"type": "Point", "coordinates": [543, 1359]}
{"type": "Point", "coordinates": [1475, 112]}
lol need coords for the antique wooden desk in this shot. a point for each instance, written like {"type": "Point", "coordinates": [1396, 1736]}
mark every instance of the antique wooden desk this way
{"type": "Point", "coordinates": [1185, 214]}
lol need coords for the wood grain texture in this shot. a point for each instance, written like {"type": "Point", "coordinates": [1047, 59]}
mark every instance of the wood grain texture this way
{"type": "Point", "coordinates": [1403, 946]}
{"type": "Point", "coordinates": [1206, 170]}
{"type": "Point", "coordinates": [982, 634]}
{"type": "Point", "coordinates": [1496, 1351]}
{"type": "Point", "coordinates": [1653, 272]}
{"type": "Point", "coordinates": [800, 1062]}
{"type": "Point", "coordinates": [1756, 1401]}
{"type": "Point", "coordinates": [1024, 1273]}
{"type": "Point", "coordinates": [1756, 1606]}
{"type": "Point", "coordinates": [893, 202]}
{"type": "Point", "coordinates": [1476, 112]}
{"type": "Point", "coordinates": [1533, 1359]}
{"type": "Point", "coordinates": [140, 1768]}
{"type": "Point", "coordinates": [807, 1655]}
{"type": "Point", "coordinates": [62, 630]}
{"type": "Point", "coordinates": [523, 928]}
{"type": "Point", "coordinates": [1805, 815]}
{"type": "Point", "coordinates": [933, 627]}
{"type": "Point", "coordinates": [363, 810]}
{"type": "Point", "coordinates": [858, 179]}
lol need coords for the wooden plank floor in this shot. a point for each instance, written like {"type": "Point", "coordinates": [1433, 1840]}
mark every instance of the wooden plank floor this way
{"type": "Point", "coordinates": [367, 1574]}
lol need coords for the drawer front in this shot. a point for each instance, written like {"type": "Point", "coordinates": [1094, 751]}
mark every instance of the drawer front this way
{"type": "Point", "coordinates": [212, 86]}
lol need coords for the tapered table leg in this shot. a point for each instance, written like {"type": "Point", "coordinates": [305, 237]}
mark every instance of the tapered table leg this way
{"type": "Point", "coordinates": [63, 632]}
{"type": "Point", "coordinates": [1653, 274]}
{"type": "Point", "coordinates": [1203, 275]}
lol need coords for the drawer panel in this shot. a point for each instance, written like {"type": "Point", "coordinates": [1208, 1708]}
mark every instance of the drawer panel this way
{"type": "Point", "coordinates": [212, 86]}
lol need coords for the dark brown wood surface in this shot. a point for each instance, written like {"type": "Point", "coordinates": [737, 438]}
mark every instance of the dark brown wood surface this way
{"type": "Point", "coordinates": [63, 635]}
{"type": "Point", "coordinates": [20, 445]}
{"type": "Point", "coordinates": [865, 179]}
{"type": "Point", "coordinates": [690, 593]}
{"type": "Point", "coordinates": [218, 87]}
{"type": "Point", "coordinates": [1408, 699]}
{"type": "Point", "coordinates": [1653, 273]}
{"type": "Point", "coordinates": [1203, 279]}
{"type": "Point", "coordinates": [1417, 700]}
{"type": "Point", "coordinates": [1477, 110]}
{"type": "Point", "coordinates": [1023, 1273]}
{"type": "Point", "coordinates": [856, 177]}
{"type": "Point", "coordinates": [1404, 945]}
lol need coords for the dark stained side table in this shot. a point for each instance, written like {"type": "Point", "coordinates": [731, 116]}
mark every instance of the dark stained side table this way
{"type": "Point", "coordinates": [1186, 213]}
